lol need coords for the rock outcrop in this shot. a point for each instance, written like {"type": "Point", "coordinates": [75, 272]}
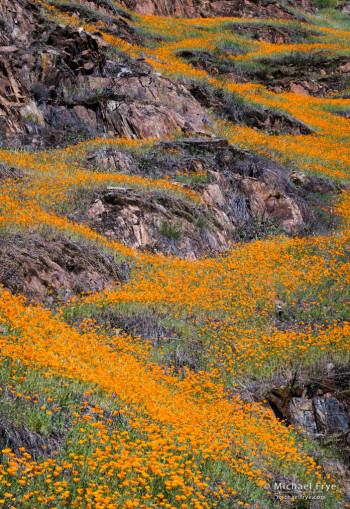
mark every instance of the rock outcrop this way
{"type": "Point", "coordinates": [51, 270]}
{"type": "Point", "coordinates": [273, 122]}
{"type": "Point", "coordinates": [344, 7]}
{"type": "Point", "coordinates": [320, 414]}
{"type": "Point", "coordinates": [272, 34]}
{"type": "Point", "coordinates": [302, 74]}
{"type": "Point", "coordinates": [315, 75]}
{"type": "Point", "coordinates": [240, 190]}
{"type": "Point", "coordinates": [221, 8]}
{"type": "Point", "coordinates": [56, 86]}
{"type": "Point", "coordinates": [319, 408]}
{"type": "Point", "coordinates": [159, 223]}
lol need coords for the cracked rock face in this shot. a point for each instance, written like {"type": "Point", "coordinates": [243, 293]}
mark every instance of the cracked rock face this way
{"type": "Point", "coordinates": [221, 8]}
{"type": "Point", "coordinates": [319, 415]}
{"type": "Point", "coordinates": [158, 224]}
{"type": "Point", "coordinates": [46, 270]}
{"type": "Point", "coordinates": [56, 83]}
{"type": "Point", "coordinates": [238, 190]}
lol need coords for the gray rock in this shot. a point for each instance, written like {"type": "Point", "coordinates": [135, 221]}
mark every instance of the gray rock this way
{"type": "Point", "coordinates": [302, 414]}
{"type": "Point", "coordinates": [329, 414]}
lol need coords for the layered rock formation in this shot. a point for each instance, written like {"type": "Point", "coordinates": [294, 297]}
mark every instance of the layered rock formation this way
{"type": "Point", "coordinates": [56, 86]}
{"type": "Point", "coordinates": [49, 270]}
{"type": "Point", "coordinates": [241, 191]}
{"type": "Point", "coordinates": [220, 8]}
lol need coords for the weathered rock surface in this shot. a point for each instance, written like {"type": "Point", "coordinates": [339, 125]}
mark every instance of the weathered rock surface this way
{"type": "Point", "coordinates": [159, 223]}
{"type": "Point", "coordinates": [321, 414]}
{"type": "Point", "coordinates": [115, 20]}
{"type": "Point", "coordinates": [57, 269]}
{"type": "Point", "coordinates": [302, 74]}
{"type": "Point", "coordinates": [17, 436]}
{"type": "Point", "coordinates": [315, 403]}
{"type": "Point", "coordinates": [344, 7]}
{"type": "Point", "coordinates": [319, 410]}
{"type": "Point", "coordinates": [271, 33]}
{"type": "Point", "coordinates": [267, 199]}
{"type": "Point", "coordinates": [315, 75]}
{"type": "Point", "coordinates": [10, 174]}
{"type": "Point", "coordinates": [337, 470]}
{"type": "Point", "coordinates": [320, 407]}
{"type": "Point", "coordinates": [240, 190]}
{"type": "Point", "coordinates": [57, 86]}
{"type": "Point", "coordinates": [221, 8]}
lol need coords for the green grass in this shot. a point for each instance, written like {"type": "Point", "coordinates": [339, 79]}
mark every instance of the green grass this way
{"type": "Point", "coordinates": [170, 229]}
{"type": "Point", "coordinates": [75, 400]}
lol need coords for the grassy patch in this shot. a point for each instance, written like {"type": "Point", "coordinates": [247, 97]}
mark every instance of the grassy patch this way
{"type": "Point", "coordinates": [170, 229]}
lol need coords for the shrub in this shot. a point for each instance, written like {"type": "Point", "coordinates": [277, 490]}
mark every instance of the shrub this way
{"type": "Point", "coordinates": [171, 230]}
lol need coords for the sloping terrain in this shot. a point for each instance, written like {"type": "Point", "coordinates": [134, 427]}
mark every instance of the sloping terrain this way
{"type": "Point", "coordinates": [174, 243]}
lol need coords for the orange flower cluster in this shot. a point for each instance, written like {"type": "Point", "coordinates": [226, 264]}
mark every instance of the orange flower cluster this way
{"type": "Point", "coordinates": [185, 425]}
{"type": "Point", "coordinates": [324, 152]}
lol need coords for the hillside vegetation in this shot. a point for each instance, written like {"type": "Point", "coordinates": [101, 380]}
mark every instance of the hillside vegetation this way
{"type": "Point", "coordinates": [175, 254]}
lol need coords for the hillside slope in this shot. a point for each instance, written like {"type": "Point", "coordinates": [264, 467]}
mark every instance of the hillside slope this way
{"type": "Point", "coordinates": [174, 240]}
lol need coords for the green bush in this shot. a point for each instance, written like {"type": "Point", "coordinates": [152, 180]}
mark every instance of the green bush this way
{"type": "Point", "coordinates": [171, 230]}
